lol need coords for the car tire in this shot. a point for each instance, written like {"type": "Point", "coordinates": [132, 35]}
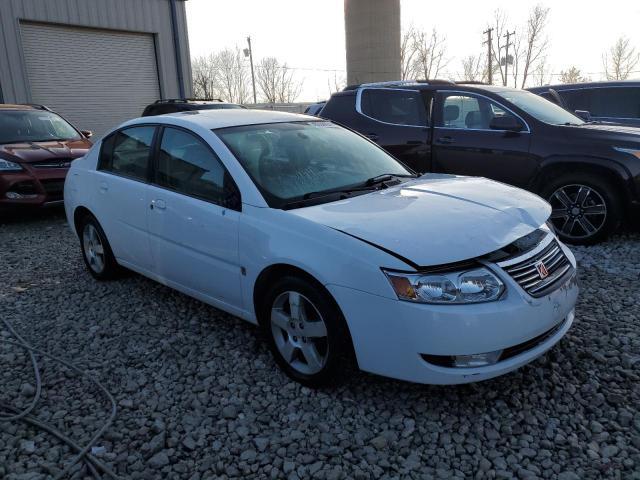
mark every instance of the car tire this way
{"type": "Point", "coordinates": [96, 251]}
{"type": "Point", "coordinates": [306, 331]}
{"type": "Point", "coordinates": [586, 208]}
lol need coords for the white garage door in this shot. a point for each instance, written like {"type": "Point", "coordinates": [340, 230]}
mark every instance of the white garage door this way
{"type": "Point", "coordinates": [95, 78]}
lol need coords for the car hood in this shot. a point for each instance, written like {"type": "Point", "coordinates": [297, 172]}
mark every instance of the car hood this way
{"type": "Point", "coordinates": [610, 131]}
{"type": "Point", "coordinates": [436, 219]}
{"type": "Point", "coordinates": [38, 151]}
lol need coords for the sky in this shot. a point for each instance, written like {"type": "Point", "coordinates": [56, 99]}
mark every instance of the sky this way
{"type": "Point", "coordinates": [309, 34]}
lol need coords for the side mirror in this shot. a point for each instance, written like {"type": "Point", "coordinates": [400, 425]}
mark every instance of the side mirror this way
{"type": "Point", "coordinates": [87, 133]}
{"type": "Point", "coordinates": [583, 114]}
{"type": "Point", "coordinates": [507, 123]}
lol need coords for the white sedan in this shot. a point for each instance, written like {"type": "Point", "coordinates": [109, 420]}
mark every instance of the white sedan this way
{"type": "Point", "coordinates": [327, 243]}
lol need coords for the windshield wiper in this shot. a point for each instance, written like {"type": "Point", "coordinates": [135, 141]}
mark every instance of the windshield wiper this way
{"type": "Point", "coordinates": [369, 184]}
{"type": "Point", "coordinates": [385, 177]}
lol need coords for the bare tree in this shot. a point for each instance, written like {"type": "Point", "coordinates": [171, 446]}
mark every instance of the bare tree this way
{"type": "Point", "coordinates": [407, 54]}
{"type": "Point", "coordinates": [336, 83]}
{"type": "Point", "coordinates": [204, 76]}
{"type": "Point", "coordinates": [621, 59]}
{"type": "Point", "coordinates": [499, 29]}
{"type": "Point", "coordinates": [541, 74]}
{"type": "Point", "coordinates": [430, 54]}
{"type": "Point", "coordinates": [572, 75]}
{"type": "Point", "coordinates": [474, 68]}
{"type": "Point", "coordinates": [535, 42]}
{"type": "Point", "coordinates": [276, 81]}
{"type": "Point", "coordinates": [232, 76]}
{"type": "Point", "coordinates": [527, 48]}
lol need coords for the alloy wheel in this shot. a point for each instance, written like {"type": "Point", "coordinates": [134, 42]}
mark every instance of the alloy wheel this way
{"type": "Point", "coordinates": [93, 248]}
{"type": "Point", "coordinates": [300, 332]}
{"type": "Point", "coordinates": [578, 211]}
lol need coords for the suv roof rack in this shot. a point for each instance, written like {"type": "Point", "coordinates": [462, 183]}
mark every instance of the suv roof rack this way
{"type": "Point", "coordinates": [37, 105]}
{"type": "Point", "coordinates": [186, 100]}
{"type": "Point", "coordinates": [399, 83]}
{"type": "Point", "coordinates": [471, 82]}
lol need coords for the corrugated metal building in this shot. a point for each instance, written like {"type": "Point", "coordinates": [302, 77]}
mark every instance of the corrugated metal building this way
{"type": "Point", "coordinates": [96, 62]}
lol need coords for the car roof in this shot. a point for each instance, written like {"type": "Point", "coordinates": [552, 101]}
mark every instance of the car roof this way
{"type": "Point", "coordinates": [223, 118]}
{"type": "Point", "coordinates": [20, 106]}
{"type": "Point", "coordinates": [575, 86]}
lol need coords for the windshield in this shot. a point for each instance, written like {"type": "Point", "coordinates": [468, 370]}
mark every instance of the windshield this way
{"type": "Point", "coordinates": [289, 161]}
{"type": "Point", "coordinates": [542, 109]}
{"type": "Point", "coordinates": [18, 126]}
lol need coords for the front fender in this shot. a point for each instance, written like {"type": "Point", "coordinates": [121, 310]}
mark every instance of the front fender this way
{"type": "Point", "coordinates": [269, 237]}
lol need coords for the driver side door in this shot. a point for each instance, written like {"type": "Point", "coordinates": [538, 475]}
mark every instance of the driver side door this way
{"type": "Point", "coordinates": [464, 143]}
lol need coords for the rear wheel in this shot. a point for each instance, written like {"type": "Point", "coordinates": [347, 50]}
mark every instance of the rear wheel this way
{"type": "Point", "coordinates": [96, 251]}
{"type": "Point", "coordinates": [585, 207]}
{"type": "Point", "coordinates": [306, 331]}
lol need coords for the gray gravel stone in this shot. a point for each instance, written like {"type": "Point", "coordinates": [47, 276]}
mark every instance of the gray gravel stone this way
{"type": "Point", "coordinates": [200, 397]}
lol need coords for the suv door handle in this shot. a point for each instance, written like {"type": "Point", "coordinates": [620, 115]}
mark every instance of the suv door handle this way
{"type": "Point", "coordinates": [445, 139]}
{"type": "Point", "coordinates": [372, 136]}
{"type": "Point", "coordinates": [104, 187]}
{"type": "Point", "coordinates": [159, 204]}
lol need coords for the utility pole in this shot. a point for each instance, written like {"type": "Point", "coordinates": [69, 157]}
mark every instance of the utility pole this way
{"type": "Point", "coordinates": [489, 33]}
{"type": "Point", "coordinates": [506, 55]}
{"type": "Point", "coordinates": [248, 52]}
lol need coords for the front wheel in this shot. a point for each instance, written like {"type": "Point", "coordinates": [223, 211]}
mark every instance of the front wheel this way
{"type": "Point", "coordinates": [585, 208]}
{"type": "Point", "coordinates": [306, 331]}
{"type": "Point", "coordinates": [96, 250]}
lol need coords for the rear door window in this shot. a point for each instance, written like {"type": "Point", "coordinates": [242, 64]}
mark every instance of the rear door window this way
{"type": "Point", "coordinates": [126, 152]}
{"type": "Point", "coordinates": [398, 107]}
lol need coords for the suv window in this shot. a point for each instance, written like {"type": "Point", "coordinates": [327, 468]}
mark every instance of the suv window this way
{"type": "Point", "coordinates": [469, 112]}
{"type": "Point", "coordinates": [126, 152]}
{"type": "Point", "coordinates": [616, 102]}
{"type": "Point", "coordinates": [187, 165]}
{"type": "Point", "coordinates": [399, 107]}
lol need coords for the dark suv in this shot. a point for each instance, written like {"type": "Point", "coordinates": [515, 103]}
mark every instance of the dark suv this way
{"type": "Point", "coordinates": [617, 102]}
{"type": "Point", "coordinates": [37, 147]}
{"type": "Point", "coordinates": [590, 173]}
{"type": "Point", "coordinates": [173, 105]}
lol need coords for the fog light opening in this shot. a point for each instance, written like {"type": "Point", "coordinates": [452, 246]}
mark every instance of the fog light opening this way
{"type": "Point", "coordinates": [476, 359]}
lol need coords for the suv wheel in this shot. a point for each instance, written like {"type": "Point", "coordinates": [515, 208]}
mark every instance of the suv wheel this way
{"type": "Point", "coordinates": [585, 207]}
{"type": "Point", "coordinates": [96, 251]}
{"type": "Point", "coordinates": [305, 330]}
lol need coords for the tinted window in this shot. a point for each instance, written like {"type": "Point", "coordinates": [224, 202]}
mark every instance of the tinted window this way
{"type": "Point", "coordinates": [400, 107]}
{"type": "Point", "coordinates": [339, 106]}
{"type": "Point", "coordinates": [469, 112]}
{"type": "Point", "coordinates": [126, 152]}
{"type": "Point", "coordinates": [576, 99]}
{"type": "Point", "coordinates": [187, 165]}
{"type": "Point", "coordinates": [288, 160]}
{"type": "Point", "coordinates": [620, 102]}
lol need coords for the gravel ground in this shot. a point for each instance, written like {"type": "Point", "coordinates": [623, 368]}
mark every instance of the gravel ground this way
{"type": "Point", "coordinates": [199, 396]}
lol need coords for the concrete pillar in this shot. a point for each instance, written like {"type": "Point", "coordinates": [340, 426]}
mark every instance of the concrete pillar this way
{"type": "Point", "coordinates": [372, 34]}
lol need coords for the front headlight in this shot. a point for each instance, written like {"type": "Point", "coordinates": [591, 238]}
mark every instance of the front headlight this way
{"type": "Point", "coordinates": [7, 166]}
{"type": "Point", "coordinates": [472, 286]}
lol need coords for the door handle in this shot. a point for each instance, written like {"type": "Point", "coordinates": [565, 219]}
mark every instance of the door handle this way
{"type": "Point", "coordinates": [372, 136]}
{"type": "Point", "coordinates": [104, 187]}
{"type": "Point", "coordinates": [159, 204]}
{"type": "Point", "coordinates": [445, 139]}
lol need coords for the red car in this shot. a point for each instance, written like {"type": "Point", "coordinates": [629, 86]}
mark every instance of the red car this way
{"type": "Point", "coordinates": [37, 147]}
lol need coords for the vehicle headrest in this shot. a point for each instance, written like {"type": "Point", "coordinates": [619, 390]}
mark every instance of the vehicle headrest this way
{"type": "Point", "coordinates": [451, 112]}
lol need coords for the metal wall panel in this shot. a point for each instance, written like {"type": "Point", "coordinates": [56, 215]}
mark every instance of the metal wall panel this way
{"type": "Point", "coordinates": [147, 16]}
{"type": "Point", "coordinates": [98, 92]}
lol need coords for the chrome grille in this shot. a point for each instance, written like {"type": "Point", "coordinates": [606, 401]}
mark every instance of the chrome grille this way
{"type": "Point", "coordinates": [53, 163]}
{"type": "Point", "coordinates": [528, 272]}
